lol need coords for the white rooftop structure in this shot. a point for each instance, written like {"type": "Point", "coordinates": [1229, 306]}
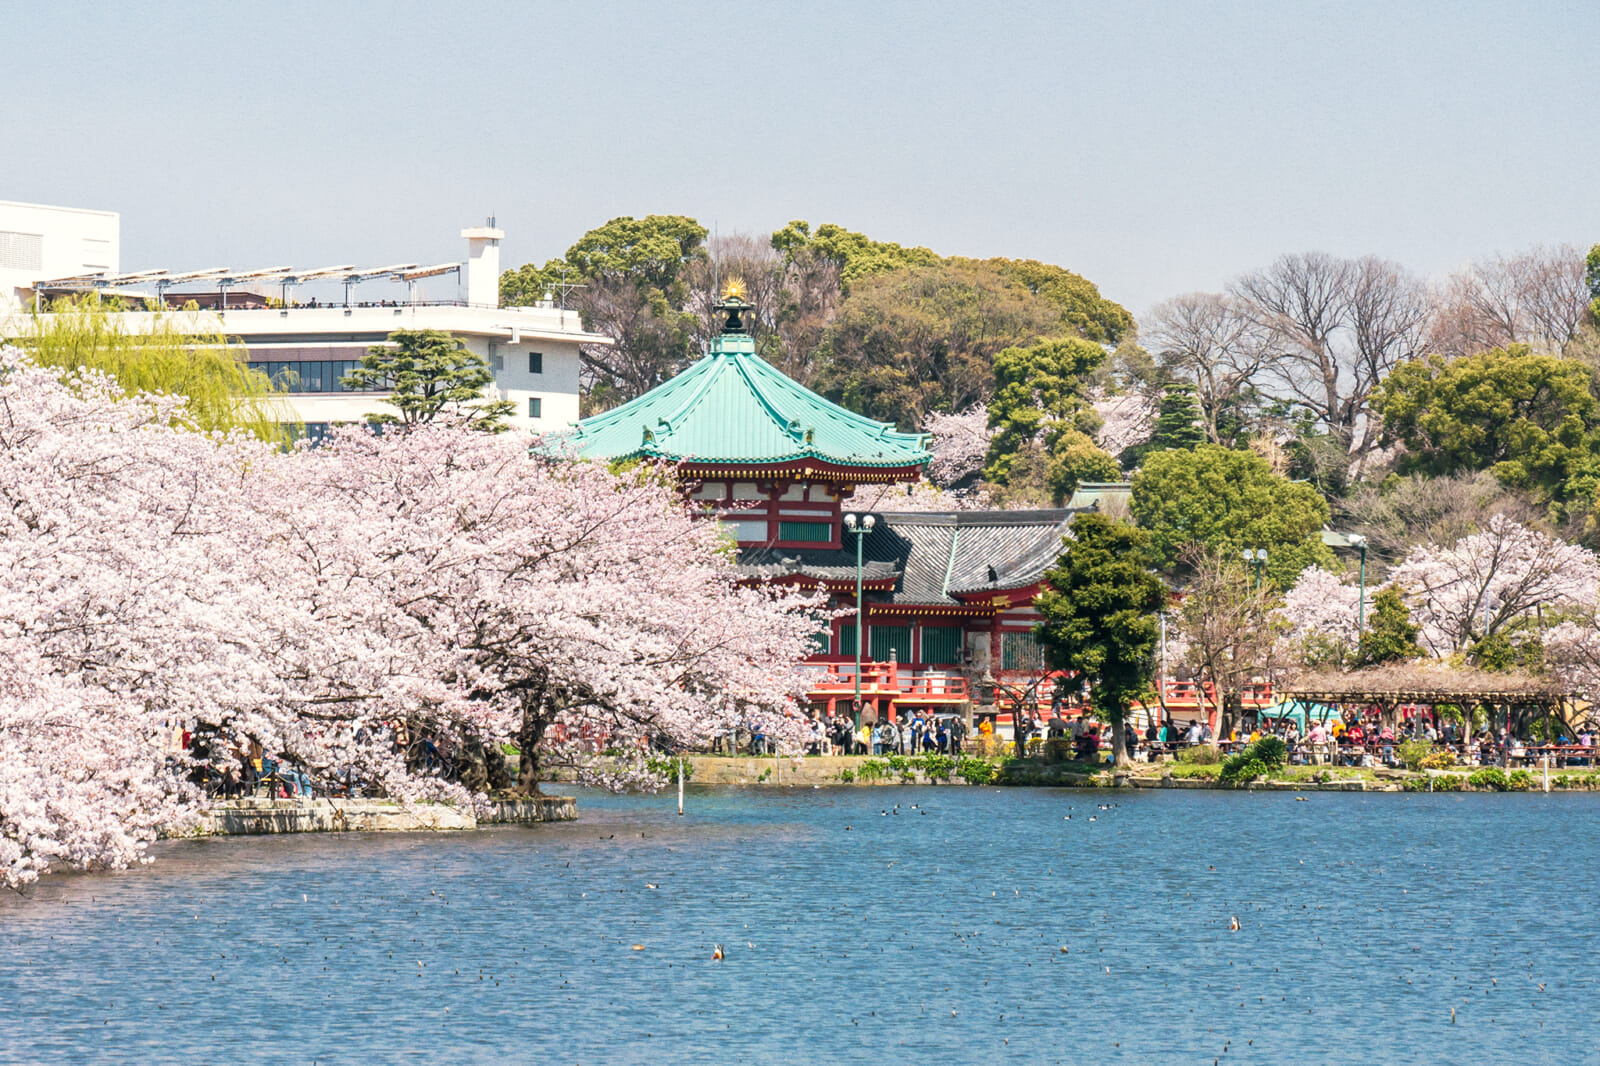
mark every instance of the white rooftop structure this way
{"type": "Point", "coordinates": [310, 345]}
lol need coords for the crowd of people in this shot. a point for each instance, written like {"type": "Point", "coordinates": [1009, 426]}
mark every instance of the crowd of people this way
{"type": "Point", "coordinates": [919, 734]}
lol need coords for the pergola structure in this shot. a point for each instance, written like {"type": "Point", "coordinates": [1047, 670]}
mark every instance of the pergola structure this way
{"type": "Point", "coordinates": [1513, 700]}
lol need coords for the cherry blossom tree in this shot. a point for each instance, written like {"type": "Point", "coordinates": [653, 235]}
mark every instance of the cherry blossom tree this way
{"type": "Point", "coordinates": [147, 587]}
{"type": "Point", "coordinates": [154, 578]}
{"type": "Point", "coordinates": [1126, 419]}
{"type": "Point", "coordinates": [1320, 615]}
{"type": "Point", "coordinates": [960, 443]}
{"type": "Point", "coordinates": [568, 606]}
{"type": "Point", "coordinates": [1492, 582]}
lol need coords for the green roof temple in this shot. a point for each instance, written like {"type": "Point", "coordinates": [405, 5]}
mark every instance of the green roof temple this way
{"type": "Point", "coordinates": [733, 409]}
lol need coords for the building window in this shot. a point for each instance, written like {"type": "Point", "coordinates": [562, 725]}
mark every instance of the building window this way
{"type": "Point", "coordinates": [1020, 651]}
{"type": "Point", "coordinates": [881, 640]}
{"type": "Point", "coordinates": [746, 530]}
{"type": "Point", "coordinates": [809, 532]}
{"type": "Point", "coordinates": [497, 362]}
{"type": "Point", "coordinates": [941, 645]}
{"type": "Point", "coordinates": [847, 639]}
{"type": "Point", "coordinates": [315, 375]}
{"type": "Point", "coordinates": [534, 407]}
{"type": "Point", "coordinates": [536, 362]}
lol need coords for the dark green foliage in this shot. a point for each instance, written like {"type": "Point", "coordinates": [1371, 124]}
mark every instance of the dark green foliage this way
{"type": "Point", "coordinates": [1178, 420]}
{"type": "Point", "coordinates": [430, 374]}
{"type": "Point", "coordinates": [1239, 769]}
{"type": "Point", "coordinates": [1040, 411]}
{"type": "Point", "coordinates": [1100, 608]}
{"type": "Point", "coordinates": [975, 771]}
{"type": "Point", "coordinates": [1271, 750]}
{"type": "Point", "coordinates": [1038, 391]}
{"type": "Point", "coordinates": [1491, 778]}
{"type": "Point", "coordinates": [1228, 501]}
{"type": "Point", "coordinates": [1391, 636]}
{"type": "Point", "coordinates": [1256, 759]}
{"type": "Point", "coordinates": [854, 255]}
{"type": "Point", "coordinates": [1533, 420]}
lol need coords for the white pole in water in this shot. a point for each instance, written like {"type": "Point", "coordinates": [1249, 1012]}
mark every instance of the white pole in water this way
{"type": "Point", "coordinates": [680, 784]}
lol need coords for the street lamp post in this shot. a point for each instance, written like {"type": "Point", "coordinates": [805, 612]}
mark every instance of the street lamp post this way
{"type": "Point", "coordinates": [860, 529]}
{"type": "Point", "coordinates": [1358, 542]}
{"type": "Point", "coordinates": [1257, 557]}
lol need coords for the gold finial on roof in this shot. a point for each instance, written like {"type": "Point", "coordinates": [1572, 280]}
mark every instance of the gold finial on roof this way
{"type": "Point", "coordinates": [733, 290]}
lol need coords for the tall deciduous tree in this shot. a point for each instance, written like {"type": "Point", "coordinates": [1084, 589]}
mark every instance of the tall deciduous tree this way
{"type": "Point", "coordinates": [1100, 609]}
{"type": "Point", "coordinates": [1338, 327]}
{"type": "Point", "coordinates": [1228, 501]}
{"type": "Point", "coordinates": [1536, 298]}
{"type": "Point", "coordinates": [1212, 341]}
{"type": "Point", "coordinates": [430, 375]}
{"type": "Point", "coordinates": [1232, 626]}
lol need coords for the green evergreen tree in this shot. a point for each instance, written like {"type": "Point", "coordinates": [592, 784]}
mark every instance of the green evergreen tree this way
{"type": "Point", "coordinates": [430, 374]}
{"type": "Point", "coordinates": [1392, 636]}
{"type": "Point", "coordinates": [1228, 501]}
{"type": "Point", "coordinates": [1100, 606]}
{"type": "Point", "coordinates": [1178, 420]}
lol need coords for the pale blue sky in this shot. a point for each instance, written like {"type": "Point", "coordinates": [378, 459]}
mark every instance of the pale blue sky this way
{"type": "Point", "coordinates": [1155, 147]}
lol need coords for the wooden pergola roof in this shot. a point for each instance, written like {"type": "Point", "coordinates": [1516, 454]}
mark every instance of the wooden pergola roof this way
{"type": "Point", "coordinates": [1405, 683]}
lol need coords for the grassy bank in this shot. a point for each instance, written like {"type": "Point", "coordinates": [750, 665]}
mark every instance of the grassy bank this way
{"type": "Point", "coordinates": [1036, 771]}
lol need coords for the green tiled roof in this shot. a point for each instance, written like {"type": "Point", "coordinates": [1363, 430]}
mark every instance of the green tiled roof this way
{"type": "Point", "coordinates": [734, 407]}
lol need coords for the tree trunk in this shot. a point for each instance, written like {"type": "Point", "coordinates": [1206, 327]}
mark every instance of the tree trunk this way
{"type": "Point", "coordinates": [1119, 742]}
{"type": "Point", "coordinates": [528, 739]}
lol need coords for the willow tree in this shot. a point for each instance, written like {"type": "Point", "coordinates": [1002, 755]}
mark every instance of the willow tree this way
{"type": "Point", "coordinates": [159, 352]}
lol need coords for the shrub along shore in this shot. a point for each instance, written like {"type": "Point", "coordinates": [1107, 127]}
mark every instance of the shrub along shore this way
{"type": "Point", "coordinates": [1253, 770]}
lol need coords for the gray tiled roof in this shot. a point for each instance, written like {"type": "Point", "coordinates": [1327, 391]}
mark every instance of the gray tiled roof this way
{"type": "Point", "coordinates": [934, 554]}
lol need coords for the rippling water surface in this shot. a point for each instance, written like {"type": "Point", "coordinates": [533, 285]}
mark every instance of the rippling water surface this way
{"type": "Point", "coordinates": [970, 918]}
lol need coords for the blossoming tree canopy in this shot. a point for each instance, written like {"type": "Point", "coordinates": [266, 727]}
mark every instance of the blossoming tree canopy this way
{"type": "Point", "coordinates": [1493, 581]}
{"type": "Point", "coordinates": [567, 602]}
{"type": "Point", "coordinates": [301, 601]}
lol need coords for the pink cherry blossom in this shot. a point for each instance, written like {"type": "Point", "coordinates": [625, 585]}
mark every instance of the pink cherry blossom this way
{"type": "Point", "coordinates": [158, 579]}
{"type": "Point", "coordinates": [1487, 581]}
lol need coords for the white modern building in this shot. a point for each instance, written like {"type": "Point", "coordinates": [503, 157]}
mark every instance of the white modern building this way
{"type": "Point", "coordinates": [39, 241]}
{"type": "Point", "coordinates": [310, 345]}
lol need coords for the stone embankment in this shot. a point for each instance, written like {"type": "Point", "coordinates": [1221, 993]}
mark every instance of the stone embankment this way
{"type": "Point", "coordinates": [260, 817]}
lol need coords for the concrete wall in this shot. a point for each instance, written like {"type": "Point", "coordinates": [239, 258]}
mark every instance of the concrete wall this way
{"type": "Point", "coordinates": [260, 817]}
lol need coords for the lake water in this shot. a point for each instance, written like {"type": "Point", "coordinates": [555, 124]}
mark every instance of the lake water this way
{"type": "Point", "coordinates": [970, 918]}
